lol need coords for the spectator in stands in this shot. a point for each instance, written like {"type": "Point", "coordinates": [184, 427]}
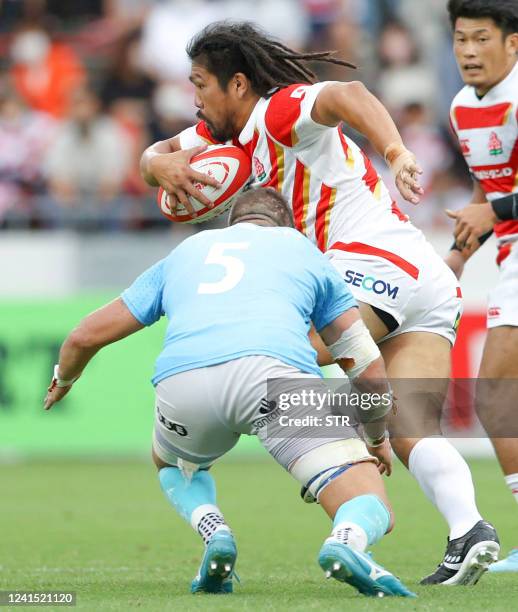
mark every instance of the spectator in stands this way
{"type": "Point", "coordinates": [404, 77]}
{"type": "Point", "coordinates": [124, 78]}
{"type": "Point", "coordinates": [45, 72]}
{"type": "Point", "coordinates": [25, 137]}
{"type": "Point", "coordinates": [126, 92]}
{"type": "Point", "coordinates": [333, 26]}
{"type": "Point", "coordinates": [86, 165]}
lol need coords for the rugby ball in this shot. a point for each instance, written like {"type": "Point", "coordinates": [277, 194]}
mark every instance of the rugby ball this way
{"type": "Point", "coordinates": [230, 166]}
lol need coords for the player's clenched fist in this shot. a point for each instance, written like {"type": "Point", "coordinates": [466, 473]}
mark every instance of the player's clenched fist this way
{"type": "Point", "coordinates": [406, 171]}
{"type": "Point", "coordinates": [173, 172]}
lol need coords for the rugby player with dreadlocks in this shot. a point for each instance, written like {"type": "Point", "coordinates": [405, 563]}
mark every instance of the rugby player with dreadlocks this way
{"type": "Point", "coordinates": [261, 95]}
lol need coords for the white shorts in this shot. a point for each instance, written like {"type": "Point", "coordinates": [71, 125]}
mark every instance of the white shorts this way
{"type": "Point", "coordinates": [200, 414]}
{"type": "Point", "coordinates": [503, 299]}
{"type": "Point", "coordinates": [419, 291]}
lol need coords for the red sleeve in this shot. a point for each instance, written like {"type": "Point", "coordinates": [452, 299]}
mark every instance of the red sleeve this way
{"type": "Point", "coordinates": [282, 114]}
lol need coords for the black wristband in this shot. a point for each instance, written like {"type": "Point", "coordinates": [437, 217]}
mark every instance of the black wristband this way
{"type": "Point", "coordinates": [482, 239]}
{"type": "Point", "coordinates": [506, 209]}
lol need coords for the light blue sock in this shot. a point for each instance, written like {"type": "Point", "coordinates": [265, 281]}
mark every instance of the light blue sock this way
{"type": "Point", "coordinates": [361, 522]}
{"type": "Point", "coordinates": [194, 500]}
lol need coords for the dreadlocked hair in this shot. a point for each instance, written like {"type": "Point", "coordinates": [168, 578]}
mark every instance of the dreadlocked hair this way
{"type": "Point", "coordinates": [226, 48]}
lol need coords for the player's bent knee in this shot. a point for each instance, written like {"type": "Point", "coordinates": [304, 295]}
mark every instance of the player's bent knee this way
{"type": "Point", "coordinates": [319, 467]}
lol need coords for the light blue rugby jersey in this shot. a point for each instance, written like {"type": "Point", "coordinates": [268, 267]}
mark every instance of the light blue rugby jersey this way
{"type": "Point", "coordinates": [243, 290]}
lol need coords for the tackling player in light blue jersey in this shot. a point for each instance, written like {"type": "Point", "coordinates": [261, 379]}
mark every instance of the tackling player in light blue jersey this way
{"type": "Point", "coordinates": [244, 290]}
{"type": "Point", "coordinates": [237, 360]}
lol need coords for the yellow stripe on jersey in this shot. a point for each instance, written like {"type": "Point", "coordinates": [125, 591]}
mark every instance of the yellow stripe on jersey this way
{"type": "Point", "coordinates": [294, 137]}
{"type": "Point", "coordinates": [328, 217]}
{"type": "Point", "coordinates": [349, 158]}
{"type": "Point", "coordinates": [305, 195]}
{"type": "Point", "coordinates": [279, 152]}
{"type": "Point", "coordinates": [377, 189]}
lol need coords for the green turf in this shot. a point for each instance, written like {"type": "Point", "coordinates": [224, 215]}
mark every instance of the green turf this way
{"type": "Point", "coordinates": [105, 531]}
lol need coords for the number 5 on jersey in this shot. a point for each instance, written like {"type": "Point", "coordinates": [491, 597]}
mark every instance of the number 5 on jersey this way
{"type": "Point", "coordinates": [234, 267]}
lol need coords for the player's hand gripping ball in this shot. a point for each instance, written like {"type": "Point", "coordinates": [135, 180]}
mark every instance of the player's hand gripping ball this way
{"type": "Point", "coordinates": [230, 166]}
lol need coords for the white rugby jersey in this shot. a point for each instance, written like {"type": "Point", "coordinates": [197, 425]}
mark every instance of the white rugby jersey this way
{"type": "Point", "coordinates": [337, 197]}
{"type": "Point", "coordinates": [487, 129]}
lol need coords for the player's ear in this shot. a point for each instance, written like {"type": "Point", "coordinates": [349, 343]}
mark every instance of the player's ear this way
{"type": "Point", "coordinates": [512, 43]}
{"type": "Point", "coordinates": [241, 85]}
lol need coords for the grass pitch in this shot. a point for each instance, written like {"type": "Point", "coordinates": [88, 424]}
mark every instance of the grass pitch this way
{"type": "Point", "coordinates": [105, 531]}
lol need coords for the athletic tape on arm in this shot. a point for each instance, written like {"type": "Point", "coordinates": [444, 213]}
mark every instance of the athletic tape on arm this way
{"type": "Point", "coordinates": [356, 343]}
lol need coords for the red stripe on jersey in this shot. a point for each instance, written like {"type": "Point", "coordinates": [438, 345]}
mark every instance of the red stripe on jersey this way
{"type": "Point", "coordinates": [366, 249]}
{"type": "Point", "coordinates": [370, 177]}
{"type": "Point", "coordinates": [459, 292]}
{"type": "Point", "coordinates": [503, 253]}
{"type": "Point", "coordinates": [298, 195]}
{"type": "Point", "coordinates": [322, 209]}
{"type": "Point", "coordinates": [203, 131]}
{"type": "Point", "coordinates": [282, 114]}
{"type": "Point", "coordinates": [469, 118]}
{"type": "Point", "coordinates": [349, 159]}
{"type": "Point", "coordinates": [345, 146]}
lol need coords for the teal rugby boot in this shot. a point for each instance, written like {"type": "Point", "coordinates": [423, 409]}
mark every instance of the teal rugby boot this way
{"type": "Point", "coordinates": [358, 569]}
{"type": "Point", "coordinates": [217, 566]}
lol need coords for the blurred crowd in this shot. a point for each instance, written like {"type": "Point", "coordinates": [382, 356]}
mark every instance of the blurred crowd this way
{"type": "Point", "coordinates": [85, 86]}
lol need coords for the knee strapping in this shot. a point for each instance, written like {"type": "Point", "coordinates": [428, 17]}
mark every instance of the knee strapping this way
{"type": "Point", "coordinates": [318, 468]}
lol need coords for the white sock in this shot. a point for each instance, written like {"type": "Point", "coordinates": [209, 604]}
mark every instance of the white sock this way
{"type": "Point", "coordinates": [206, 520]}
{"type": "Point", "coordinates": [446, 480]}
{"type": "Point", "coordinates": [512, 483]}
{"type": "Point", "coordinates": [352, 535]}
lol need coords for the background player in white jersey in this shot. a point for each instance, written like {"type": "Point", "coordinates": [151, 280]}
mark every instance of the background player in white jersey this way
{"type": "Point", "coordinates": [484, 116]}
{"type": "Point", "coordinates": [260, 95]}
{"type": "Point", "coordinates": [239, 303]}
